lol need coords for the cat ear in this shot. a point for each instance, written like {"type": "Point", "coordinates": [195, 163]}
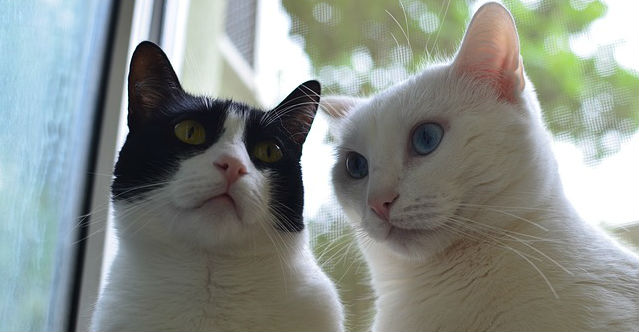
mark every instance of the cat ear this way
{"type": "Point", "coordinates": [152, 82]}
{"type": "Point", "coordinates": [297, 111]}
{"type": "Point", "coordinates": [339, 106]}
{"type": "Point", "coordinates": [490, 51]}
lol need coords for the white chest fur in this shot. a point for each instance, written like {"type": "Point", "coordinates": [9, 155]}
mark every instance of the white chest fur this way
{"type": "Point", "coordinates": [177, 288]}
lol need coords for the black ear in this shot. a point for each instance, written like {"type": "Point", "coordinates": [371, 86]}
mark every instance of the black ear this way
{"type": "Point", "coordinates": [152, 82]}
{"type": "Point", "coordinates": [298, 110]}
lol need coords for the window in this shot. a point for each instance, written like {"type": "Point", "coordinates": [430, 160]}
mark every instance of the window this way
{"type": "Point", "coordinates": [57, 98]}
{"type": "Point", "coordinates": [50, 77]}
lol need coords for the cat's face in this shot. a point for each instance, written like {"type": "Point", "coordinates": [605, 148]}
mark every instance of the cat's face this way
{"type": "Point", "coordinates": [415, 161]}
{"type": "Point", "coordinates": [214, 172]}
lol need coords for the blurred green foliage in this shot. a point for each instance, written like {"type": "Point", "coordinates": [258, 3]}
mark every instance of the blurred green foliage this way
{"type": "Point", "coordinates": [360, 47]}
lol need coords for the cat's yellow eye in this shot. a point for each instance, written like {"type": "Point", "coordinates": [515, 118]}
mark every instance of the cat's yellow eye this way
{"type": "Point", "coordinates": [267, 151]}
{"type": "Point", "coordinates": [191, 132]}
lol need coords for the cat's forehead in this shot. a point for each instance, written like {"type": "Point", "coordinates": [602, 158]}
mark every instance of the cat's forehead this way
{"type": "Point", "coordinates": [234, 122]}
{"type": "Point", "coordinates": [389, 117]}
{"type": "Point", "coordinates": [234, 116]}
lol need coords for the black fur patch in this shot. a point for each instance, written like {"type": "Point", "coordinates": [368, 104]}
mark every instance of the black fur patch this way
{"type": "Point", "coordinates": [287, 191]}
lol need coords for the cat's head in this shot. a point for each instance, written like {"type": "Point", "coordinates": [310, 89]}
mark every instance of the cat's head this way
{"type": "Point", "coordinates": [209, 171]}
{"type": "Point", "coordinates": [416, 162]}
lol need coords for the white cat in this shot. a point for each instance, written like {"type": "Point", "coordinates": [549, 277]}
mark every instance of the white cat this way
{"type": "Point", "coordinates": [451, 178]}
{"type": "Point", "coordinates": [208, 202]}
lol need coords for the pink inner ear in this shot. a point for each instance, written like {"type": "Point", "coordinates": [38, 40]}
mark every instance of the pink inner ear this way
{"type": "Point", "coordinates": [490, 51]}
{"type": "Point", "coordinates": [508, 83]}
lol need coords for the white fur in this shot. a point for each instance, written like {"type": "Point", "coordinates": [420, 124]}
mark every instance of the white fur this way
{"type": "Point", "coordinates": [481, 236]}
{"type": "Point", "coordinates": [186, 266]}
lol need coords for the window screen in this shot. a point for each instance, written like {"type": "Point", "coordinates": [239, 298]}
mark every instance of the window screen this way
{"type": "Point", "coordinates": [240, 27]}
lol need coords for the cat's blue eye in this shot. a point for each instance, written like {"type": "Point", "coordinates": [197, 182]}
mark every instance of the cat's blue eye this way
{"type": "Point", "coordinates": [426, 138]}
{"type": "Point", "coordinates": [356, 165]}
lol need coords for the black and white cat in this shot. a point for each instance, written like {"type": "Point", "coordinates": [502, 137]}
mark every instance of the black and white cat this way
{"type": "Point", "coordinates": [451, 178]}
{"type": "Point", "coordinates": [208, 201]}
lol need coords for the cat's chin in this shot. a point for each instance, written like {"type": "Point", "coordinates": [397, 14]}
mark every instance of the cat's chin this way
{"type": "Point", "coordinates": [411, 243]}
{"type": "Point", "coordinates": [222, 203]}
{"type": "Point", "coordinates": [219, 207]}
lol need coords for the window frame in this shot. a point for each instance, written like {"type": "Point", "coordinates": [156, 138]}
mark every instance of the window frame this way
{"type": "Point", "coordinates": [64, 305]}
{"type": "Point", "coordinates": [93, 232]}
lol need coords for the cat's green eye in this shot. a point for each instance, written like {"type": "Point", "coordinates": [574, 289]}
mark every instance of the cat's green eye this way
{"type": "Point", "coordinates": [190, 132]}
{"type": "Point", "coordinates": [267, 151]}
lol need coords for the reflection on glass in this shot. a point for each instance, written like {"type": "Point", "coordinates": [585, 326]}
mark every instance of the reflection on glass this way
{"type": "Point", "coordinates": [51, 59]}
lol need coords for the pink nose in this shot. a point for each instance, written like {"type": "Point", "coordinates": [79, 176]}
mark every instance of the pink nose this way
{"type": "Point", "coordinates": [381, 204]}
{"type": "Point", "coordinates": [231, 167]}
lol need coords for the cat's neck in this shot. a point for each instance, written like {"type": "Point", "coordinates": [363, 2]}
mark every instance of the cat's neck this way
{"type": "Point", "coordinates": [259, 246]}
{"type": "Point", "coordinates": [238, 267]}
{"type": "Point", "coordinates": [153, 247]}
{"type": "Point", "coordinates": [260, 266]}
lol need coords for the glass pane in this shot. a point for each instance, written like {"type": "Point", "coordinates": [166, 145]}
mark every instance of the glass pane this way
{"type": "Point", "coordinates": [50, 69]}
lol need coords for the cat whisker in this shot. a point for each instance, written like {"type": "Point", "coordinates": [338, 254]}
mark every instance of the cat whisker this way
{"type": "Point", "coordinates": [355, 258]}
{"type": "Point", "coordinates": [516, 217]}
{"type": "Point", "coordinates": [149, 209]}
{"type": "Point", "coordinates": [407, 27]}
{"type": "Point", "coordinates": [461, 232]}
{"type": "Point", "coordinates": [279, 254]}
{"type": "Point", "coordinates": [484, 236]}
{"type": "Point", "coordinates": [105, 206]}
{"type": "Point", "coordinates": [146, 222]}
{"type": "Point", "coordinates": [269, 119]}
{"type": "Point", "coordinates": [395, 39]}
{"type": "Point", "coordinates": [520, 218]}
{"type": "Point", "coordinates": [327, 246]}
{"type": "Point", "coordinates": [552, 289]}
{"type": "Point", "coordinates": [400, 27]}
{"type": "Point", "coordinates": [479, 206]}
{"type": "Point", "coordinates": [523, 194]}
{"type": "Point", "coordinates": [505, 231]}
{"type": "Point", "coordinates": [279, 244]}
{"type": "Point", "coordinates": [528, 258]}
{"type": "Point", "coordinates": [337, 248]}
{"type": "Point", "coordinates": [127, 212]}
{"type": "Point", "coordinates": [439, 29]}
{"type": "Point", "coordinates": [428, 53]}
{"type": "Point", "coordinates": [279, 250]}
{"type": "Point", "coordinates": [543, 254]}
{"type": "Point", "coordinates": [109, 175]}
{"type": "Point", "coordinates": [527, 244]}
